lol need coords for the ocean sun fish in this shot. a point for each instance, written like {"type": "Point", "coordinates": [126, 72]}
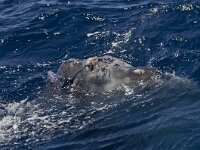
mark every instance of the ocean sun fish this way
{"type": "Point", "coordinates": [98, 75]}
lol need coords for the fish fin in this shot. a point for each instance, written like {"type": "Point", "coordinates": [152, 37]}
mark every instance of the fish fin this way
{"type": "Point", "coordinates": [54, 78]}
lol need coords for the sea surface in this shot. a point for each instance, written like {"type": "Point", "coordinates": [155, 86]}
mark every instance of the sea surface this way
{"type": "Point", "coordinates": [38, 35]}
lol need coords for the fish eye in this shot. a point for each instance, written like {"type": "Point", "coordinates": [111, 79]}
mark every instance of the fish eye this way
{"type": "Point", "coordinates": [91, 67]}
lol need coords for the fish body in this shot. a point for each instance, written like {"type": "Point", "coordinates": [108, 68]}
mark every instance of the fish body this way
{"type": "Point", "coordinates": [99, 74]}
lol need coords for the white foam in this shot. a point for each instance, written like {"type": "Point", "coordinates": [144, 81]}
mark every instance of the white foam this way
{"type": "Point", "coordinates": [92, 34]}
{"type": "Point", "coordinates": [34, 119]}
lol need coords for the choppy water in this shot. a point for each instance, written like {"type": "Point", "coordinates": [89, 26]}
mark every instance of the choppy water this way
{"type": "Point", "coordinates": [36, 36]}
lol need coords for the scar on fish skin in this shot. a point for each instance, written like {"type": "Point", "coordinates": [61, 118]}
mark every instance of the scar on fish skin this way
{"type": "Point", "coordinates": [139, 71]}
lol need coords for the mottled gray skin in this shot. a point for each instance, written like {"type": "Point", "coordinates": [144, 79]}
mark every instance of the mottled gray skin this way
{"type": "Point", "coordinates": [100, 74]}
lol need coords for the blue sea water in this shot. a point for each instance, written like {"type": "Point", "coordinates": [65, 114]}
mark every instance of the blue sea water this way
{"type": "Point", "coordinates": [37, 36]}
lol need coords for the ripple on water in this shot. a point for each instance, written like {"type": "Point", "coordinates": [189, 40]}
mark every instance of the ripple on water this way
{"type": "Point", "coordinates": [35, 36]}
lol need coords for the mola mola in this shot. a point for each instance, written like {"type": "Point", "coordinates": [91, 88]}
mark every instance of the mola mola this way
{"type": "Point", "coordinates": [99, 74]}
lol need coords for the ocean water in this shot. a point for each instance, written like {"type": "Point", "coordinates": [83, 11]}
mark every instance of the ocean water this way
{"type": "Point", "coordinates": [37, 36]}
